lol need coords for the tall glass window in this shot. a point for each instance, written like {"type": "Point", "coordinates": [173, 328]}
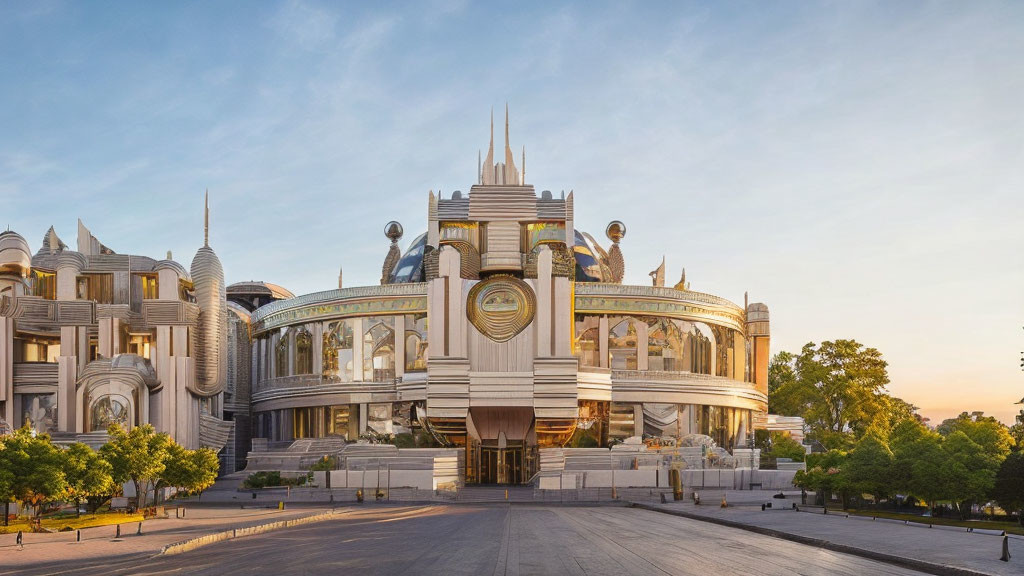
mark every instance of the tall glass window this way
{"type": "Point", "coordinates": [379, 349]}
{"type": "Point", "coordinates": [622, 344]}
{"type": "Point", "coordinates": [281, 354]}
{"type": "Point", "coordinates": [416, 343]}
{"type": "Point", "coordinates": [666, 345]}
{"type": "Point", "coordinates": [337, 351]}
{"type": "Point", "coordinates": [303, 352]}
{"type": "Point", "coordinates": [588, 340]}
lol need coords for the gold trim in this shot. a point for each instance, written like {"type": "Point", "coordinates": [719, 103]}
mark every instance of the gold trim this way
{"type": "Point", "coordinates": [501, 307]}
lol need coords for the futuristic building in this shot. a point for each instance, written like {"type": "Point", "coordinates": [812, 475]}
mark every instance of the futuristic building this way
{"type": "Point", "coordinates": [90, 337]}
{"type": "Point", "coordinates": [501, 330]}
{"type": "Point", "coordinates": [504, 329]}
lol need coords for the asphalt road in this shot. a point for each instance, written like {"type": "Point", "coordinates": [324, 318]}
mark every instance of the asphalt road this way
{"type": "Point", "coordinates": [500, 539]}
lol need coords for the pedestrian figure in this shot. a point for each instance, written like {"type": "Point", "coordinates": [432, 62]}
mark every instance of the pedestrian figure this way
{"type": "Point", "coordinates": [21, 545]}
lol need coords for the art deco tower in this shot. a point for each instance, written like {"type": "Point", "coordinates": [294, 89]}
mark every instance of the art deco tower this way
{"type": "Point", "coordinates": [210, 344]}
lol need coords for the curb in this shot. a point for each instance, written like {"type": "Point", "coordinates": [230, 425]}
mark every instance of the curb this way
{"type": "Point", "coordinates": [200, 541]}
{"type": "Point", "coordinates": [903, 562]}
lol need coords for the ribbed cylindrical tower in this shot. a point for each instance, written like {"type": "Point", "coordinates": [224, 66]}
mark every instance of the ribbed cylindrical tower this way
{"type": "Point", "coordinates": [211, 336]}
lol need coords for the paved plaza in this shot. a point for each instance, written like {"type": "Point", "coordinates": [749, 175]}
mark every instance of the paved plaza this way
{"type": "Point", "coordinates": [480, 539]}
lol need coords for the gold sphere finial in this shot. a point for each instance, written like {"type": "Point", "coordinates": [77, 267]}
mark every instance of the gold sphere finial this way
{"type": "Point", "coordinates": [393, 231]}
{"type": "Point", "coordinates": [615, 231]}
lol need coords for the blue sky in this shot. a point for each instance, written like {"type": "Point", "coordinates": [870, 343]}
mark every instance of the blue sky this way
{"type": "Point", "coordinates": [857, 166]}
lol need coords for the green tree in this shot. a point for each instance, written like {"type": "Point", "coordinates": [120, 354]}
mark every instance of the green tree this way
{"type": "Point", "coordinates": [782, 445]}
{"type": "Point", "coordinates": [138, 455]}
{"type": "Point", "coordinates": [36, 469]}
{"type": "Point", "coordinates": [1017, 430]}
{"type": "Point", "coordinates": [824, 475]}
{"type": "Point", "coordinates": [785, 396]}
{"type": "Point", "coordinates": [869, 468]}
{"type": "Point", "coordinates": [1009, 486]}
{"type": "Point", "coordinates": [6, 479]}
{"type": "Point", "coordinates": [903, 442]}
{"type": "Point", "coordinates": [991, 434]}
{"type": "Point", "coordinates": [970, 471]}
{"type": "Point", "coordinates": [88, 475]}
{"type": "Point", "coordinates": [837, 387]}
{"type": "Point", "coordinates": [190, 470]}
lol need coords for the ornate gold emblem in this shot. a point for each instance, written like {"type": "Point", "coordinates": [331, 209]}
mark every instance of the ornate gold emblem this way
{"type": "Point", "coordinates": [501, 307]}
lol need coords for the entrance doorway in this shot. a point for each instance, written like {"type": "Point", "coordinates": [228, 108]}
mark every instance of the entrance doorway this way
{"type": "Point", "coordinates": [501, 465]}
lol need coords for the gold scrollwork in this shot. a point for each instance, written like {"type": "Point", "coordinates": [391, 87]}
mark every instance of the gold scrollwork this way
{"type": "Point", "coordinates": [501, 307]}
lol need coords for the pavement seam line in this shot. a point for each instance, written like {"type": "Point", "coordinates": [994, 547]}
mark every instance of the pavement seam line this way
{"type": "Point", "coordinates": [901, 561]}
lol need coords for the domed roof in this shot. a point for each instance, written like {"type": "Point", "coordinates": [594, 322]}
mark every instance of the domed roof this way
{"type": "Point", "coordinates": [590, 257]}
{"type": "Point", "coordinates": [14, 254]}
{"type": "Point", "coordinates": [175, 266]}
{"type": "Point", "coordinates": [261, 288]}
{"type": "Point", "coordinates": [410, 266]}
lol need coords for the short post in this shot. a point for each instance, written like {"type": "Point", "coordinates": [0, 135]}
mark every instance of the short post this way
{"type": "Point", "coordinates": [183, 510]}
{"type": "Point", "coordinates": [78, 535]}
{"type": "Point", "coordinates": [139, 531]}
{"type": "Point", "coordinates": [1006, 548]}
{"type": "Point", "coordinates": [118, 533]}
{"type": "Point", "coordinates": [20, 540]}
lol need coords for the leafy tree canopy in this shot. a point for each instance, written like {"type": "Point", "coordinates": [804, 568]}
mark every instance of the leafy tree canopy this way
{"type": "Point", "coordinates": [35, 469]}
{"type": "Point", "coordinates": [838, 388]}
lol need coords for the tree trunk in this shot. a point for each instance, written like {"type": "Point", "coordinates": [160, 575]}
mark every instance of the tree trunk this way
{"type": "Point", "coordinates": [139, 495]}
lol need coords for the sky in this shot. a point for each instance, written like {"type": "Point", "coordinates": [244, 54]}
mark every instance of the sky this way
{"type": "Point", "coordinates": [857, 166]}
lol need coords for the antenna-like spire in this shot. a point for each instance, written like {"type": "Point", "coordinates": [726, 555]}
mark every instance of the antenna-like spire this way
{"type": "Point", "coordinates": [522, 180]}
{"type": "Point", "coordinates": [206, 220]}
{"type": "Point", "coordinates": [487, 174]}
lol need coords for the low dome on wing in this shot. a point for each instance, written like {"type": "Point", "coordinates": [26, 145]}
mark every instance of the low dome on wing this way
{"type": "Point", "coordinates": [590, 257]}
{"type": "Point", "coordinates": [14, 254]}
{"type": "Point", "coordinates": [410, 266]}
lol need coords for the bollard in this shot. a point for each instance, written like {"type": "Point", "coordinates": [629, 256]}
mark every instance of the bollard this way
{"type": "Point", "coordinates": [118, 534]}
{"type": "Point", "coordinates": [359, 495]}
{"type": "Point", "coordinates": [183, 509]}
{"type": "Point", "coordinates": [139, 531]}
{"type": "Point", "coordinates": [1006, 548]}
{"type": "Point", "coordinates": [20, 539]}
{"type": "Point", "coordinates": [78, 535]}
{"type": "Point", "coordinates": [762, 507]}
{"type": "Point", "coordinates": [280, 505]}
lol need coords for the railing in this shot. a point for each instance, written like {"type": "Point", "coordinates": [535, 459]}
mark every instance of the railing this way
{"type": "Point", "coordinates": [318, 380]}
{"type": "Point", "coordinates": [683, 377]}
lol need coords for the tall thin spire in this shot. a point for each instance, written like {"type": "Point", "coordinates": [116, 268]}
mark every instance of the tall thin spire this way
{"type": "Point", "coordinates": [522, 180]}
{"type": "Point", "coordinates": [510, 173]}
{"type": "Point", "coordinates": [487, 170]}
{"type": "Point", "coordinates": [206, 220]}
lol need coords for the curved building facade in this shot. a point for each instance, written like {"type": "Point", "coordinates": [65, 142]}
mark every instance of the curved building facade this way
{"type": "Point", "coordinates": [503, 329]}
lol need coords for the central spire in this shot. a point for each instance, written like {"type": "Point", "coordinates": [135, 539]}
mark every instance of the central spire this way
{"type": "Point", "coordinates": [206, 220]}
{"type": "Point", "coordinates": [501, 173]}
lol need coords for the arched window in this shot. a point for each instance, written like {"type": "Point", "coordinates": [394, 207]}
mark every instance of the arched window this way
{"type": "Point", "coordinates": [303, 352]}
{"type": "Point", "coordinates": [281, 354]}
{"type": "Point", "coordinates": [337, 351]}
{"type": "Point", "coordinates": [700, 347]}
{"type": "Point", "coordinates": [107, 410]}
{"type": "Point", "coordinates": [379, 350]}
{"type": "Point", "coordinates": [622, 345]}
{"type": "Point", "coordinates": [416, 343]}
{"type": "Point", "coordinates": [588, 341]}
{"type": "Point", "coordinates": [666, 345]}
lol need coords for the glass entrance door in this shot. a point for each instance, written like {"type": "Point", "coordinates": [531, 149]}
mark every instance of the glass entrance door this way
{"type": "Point", "coordinates": [501, 465]}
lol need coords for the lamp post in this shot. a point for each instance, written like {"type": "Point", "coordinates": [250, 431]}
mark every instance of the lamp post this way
{"type": "Point", "coordinates": [750, 482]}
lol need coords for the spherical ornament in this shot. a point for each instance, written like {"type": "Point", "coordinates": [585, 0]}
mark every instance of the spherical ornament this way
{"type": "Point", "coordinates": [393, 230]}
{"type": "Point", "coordinates": [615, 231]}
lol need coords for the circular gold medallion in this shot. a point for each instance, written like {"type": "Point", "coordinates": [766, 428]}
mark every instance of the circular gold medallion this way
{"type": "Point", "coordinates": [501, 307]}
